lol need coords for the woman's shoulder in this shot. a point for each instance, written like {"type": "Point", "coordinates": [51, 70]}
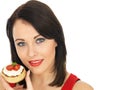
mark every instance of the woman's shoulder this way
{"type": "Point", "coordinates": [80, 85]}
{"type": "Point", "coordinates": [73, 82]}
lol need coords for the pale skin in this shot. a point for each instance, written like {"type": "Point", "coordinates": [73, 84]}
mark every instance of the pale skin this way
{"type": "Point", "coordinates": [33, 48]}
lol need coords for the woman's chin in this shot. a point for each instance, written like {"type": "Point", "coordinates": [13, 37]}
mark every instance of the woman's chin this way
{"type": "Point", "coordinates": [36, 71]}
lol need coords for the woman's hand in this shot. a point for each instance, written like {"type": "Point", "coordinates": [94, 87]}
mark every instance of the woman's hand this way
{"type": "Point", "coordinates": [18, 87]}
{"type": "Point", "coordinates": [28, 81]}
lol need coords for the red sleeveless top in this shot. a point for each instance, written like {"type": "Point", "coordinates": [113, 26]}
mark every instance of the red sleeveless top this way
{"type": "Point", "coordinates": [72, 79]}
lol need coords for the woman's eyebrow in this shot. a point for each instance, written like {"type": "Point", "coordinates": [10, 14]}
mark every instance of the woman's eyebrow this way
{"type": "Point", "coordinates": [37, 36]}
{"type": "Point", "coordinates": [19, 39]}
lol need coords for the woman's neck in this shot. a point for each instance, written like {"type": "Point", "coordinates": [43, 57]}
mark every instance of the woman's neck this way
{"type": "Point", "coordinates": [42, 79]}
{"type": "Point", "coordinates": [41, 82]}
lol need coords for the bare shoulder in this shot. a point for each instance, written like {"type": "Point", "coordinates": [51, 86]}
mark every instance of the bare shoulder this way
{"type": "Point", "coordinates": [80, 85]}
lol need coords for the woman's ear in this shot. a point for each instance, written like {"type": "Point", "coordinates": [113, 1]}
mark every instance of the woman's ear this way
{"type": "Point", "coordinates": [56, 44]}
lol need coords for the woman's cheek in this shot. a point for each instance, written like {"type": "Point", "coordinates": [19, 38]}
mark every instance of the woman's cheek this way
{"type": "Point", "coordinates": [22, 54]}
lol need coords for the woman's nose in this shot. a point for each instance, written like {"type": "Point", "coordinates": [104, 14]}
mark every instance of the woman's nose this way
{"type": "Point", "coordinates": [31, 51]}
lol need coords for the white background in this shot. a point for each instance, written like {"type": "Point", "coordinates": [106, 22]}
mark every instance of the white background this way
{"type": "Point", "coordinates": [92, 32]}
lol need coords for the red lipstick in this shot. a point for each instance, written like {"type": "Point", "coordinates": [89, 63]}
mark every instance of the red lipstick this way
{"type": "Point", "coordinates": [35, 63]}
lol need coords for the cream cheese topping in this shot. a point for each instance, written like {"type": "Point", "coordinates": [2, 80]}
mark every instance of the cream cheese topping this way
{"type": "Point", "coordinates": [13, 72]}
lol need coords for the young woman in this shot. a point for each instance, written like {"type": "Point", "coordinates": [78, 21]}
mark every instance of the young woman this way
{"type": "Point", "coordinates": [37, 42]}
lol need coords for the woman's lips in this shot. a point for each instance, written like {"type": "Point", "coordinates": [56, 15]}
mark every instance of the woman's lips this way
{"type": "Point", "coordinates": [35, 63]}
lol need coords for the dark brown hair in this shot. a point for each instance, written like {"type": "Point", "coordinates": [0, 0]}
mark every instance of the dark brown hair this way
{"type": "Point", "coordinates": [42, 18]}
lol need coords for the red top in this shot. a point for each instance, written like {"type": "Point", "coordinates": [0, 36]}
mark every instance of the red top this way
{"type": "Point", "coordinates": [70, 82]}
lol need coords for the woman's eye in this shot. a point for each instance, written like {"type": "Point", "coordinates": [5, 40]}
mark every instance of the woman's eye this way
{"type": "Point", "coordinates": [40, 40]}
{"type": "Point", "coordinates": [21, 44]}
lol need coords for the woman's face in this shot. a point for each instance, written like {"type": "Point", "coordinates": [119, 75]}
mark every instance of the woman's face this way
{"type": "Point", "coordinates": [35, 51]}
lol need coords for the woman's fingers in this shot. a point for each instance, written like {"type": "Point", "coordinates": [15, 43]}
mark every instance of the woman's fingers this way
{"type": "Point", "coordinates": [5, 84]}
{"type": "Point", "coordinates": [18, 87]}
{"type": "Point", "coordinates": [28, 81]}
